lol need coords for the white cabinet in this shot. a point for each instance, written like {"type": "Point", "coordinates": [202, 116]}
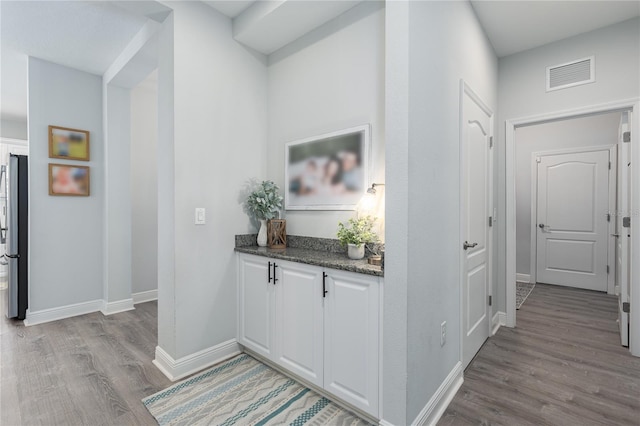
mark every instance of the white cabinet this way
{"type": "Point", "coordinates": [256, 297]}
{"type": "Point", "coordinates": [320, 324]}
{"type": "Point", "coordinates": [351, 339]}
{"type": "Point", "coordinates": [299, 320]}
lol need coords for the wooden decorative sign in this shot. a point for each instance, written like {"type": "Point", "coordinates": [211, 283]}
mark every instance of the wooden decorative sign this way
{"type": "Point", "coordinates": [277, 233]}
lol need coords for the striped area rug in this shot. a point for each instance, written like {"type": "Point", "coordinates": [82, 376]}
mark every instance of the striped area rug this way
{"type": "Point", "coordinates": [244, 391]}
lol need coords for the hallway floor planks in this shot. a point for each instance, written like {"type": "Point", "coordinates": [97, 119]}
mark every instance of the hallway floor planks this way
{"type": "Point", "coordinates": [84, 370]}
{"type": "Point", "coordinates": [562, 365]}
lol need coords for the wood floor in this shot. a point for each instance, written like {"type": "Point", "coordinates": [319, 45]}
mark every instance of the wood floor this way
{"type": "Point", "coordinates": [87, 370]}
{"type": "Point", "coordinates": [562, 365]}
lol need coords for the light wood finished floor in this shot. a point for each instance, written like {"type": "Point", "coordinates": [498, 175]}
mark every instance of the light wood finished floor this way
{"type": "Point", "coordinates": [562, 365]}
{"type": "Point", "coordinates": [87, 370]}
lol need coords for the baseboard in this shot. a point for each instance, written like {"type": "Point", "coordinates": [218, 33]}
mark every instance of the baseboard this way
{"type": "Point", "coordinates": [176, 369]}
{"type": "Point", "coordinates": [523, 278]}
{"type": "Point", "coordinates": [54, 314]}
{"type": "Point", "coordinates": [440, 400]}
{"type": "Point", "coordinates": [110, 308]}
{"type": "Point", "coordinates": [498, 320]}
{"type": "Point", "coordinates": [144, 296]}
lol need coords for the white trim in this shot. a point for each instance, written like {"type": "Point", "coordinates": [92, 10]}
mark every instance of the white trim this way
{"type": "Point", "coordinates": [12, 141]}
{"type": "Point", "coordinates": [441, 399]}
{"type": "Point", "coordinates": [385, 423]}
{"type": "Point", "coordinates": [144, 296]}
{"type": "Point", "coordinates": [110, 308]}
{"type": "Point", "coordinates": [498, 320]}
{"type": "Point", "coordinates": [176, 369]}
{"type": "Point", "coordinates": [510, 214]}
{"type": "Point", "coordinates": [62, 312]}
{"type": "Point", "coordinates": [523, 278]}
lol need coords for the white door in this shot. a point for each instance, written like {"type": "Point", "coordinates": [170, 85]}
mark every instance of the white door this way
{"type": "Point", "coordinates": [351, 342]}
{"type": "Point", "coordinates": [623, 234]}
{"type": "Point", "coordinates": [299, 320]}
{"type": "Point", "coordinates": [572, 219]}
{"type": "Point", "coordinates": [476, 209]}
{"type": "Point", "coordinates": [255, 304]}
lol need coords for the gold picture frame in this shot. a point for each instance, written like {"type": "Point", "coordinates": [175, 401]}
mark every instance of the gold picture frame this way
{"type": "Point", "coordinates": [69, 144]}
{"type": "Point", "coordinates": [69, 180]}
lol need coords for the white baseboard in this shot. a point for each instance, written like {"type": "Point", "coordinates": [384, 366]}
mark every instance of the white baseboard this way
{"type": "Point", "coordinates": [523, 278]}
{"type": "Point", "coordinates": [54, 314]}
{"type": "Point", "coordinates": [176, 369]}
{"type": "Point", "coordinates": [144, 296]}
{"type": "Point", "coordinates": [110, 308]}
{"type": "Point", "coordinates": [440, 400]}
{"type": "Point", "coordinates": [498, 320]}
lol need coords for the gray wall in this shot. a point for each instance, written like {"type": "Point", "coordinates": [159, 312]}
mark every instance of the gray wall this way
{"type": "Point", "coordinates": [522, 94]}
{"type": "Point", "coordinates": [219, 141]}
{"type": "Point", "coordinates": [430, 47]}
{"type": "Point", "coordinates": [144, 181]}
{"type": "Point", "coordinates": [597, 130]}
{"type": "Point", "coordinates": [13, 129]}
{"type": "Point", "coordinates": [66, 232]}
{"type": "Point", "coordinates": [330, 79]}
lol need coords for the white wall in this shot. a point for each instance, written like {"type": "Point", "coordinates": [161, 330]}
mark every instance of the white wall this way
{"type": "Point", "coordinates": [330, 79]}
{"type": "Point", "coordinates": [596, 130]}
{"type": "Point", "coordinates": [66, 232]}
{"type": "Point", "coordinates": [144, 180]}
{"type": "Point", "coordinates": [13, 129]}
{"type": "Point", "coordinates": [522, 93]}
{"type": "Point", "coordinates": [445, 44]}
{"type": "Point", "coordinates": [219, 141]}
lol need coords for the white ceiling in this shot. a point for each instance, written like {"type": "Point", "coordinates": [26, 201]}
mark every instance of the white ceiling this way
{"type": "Point", "coordinates": [229, 7]}
{"type": "Point", "coordinates": [515, 26]}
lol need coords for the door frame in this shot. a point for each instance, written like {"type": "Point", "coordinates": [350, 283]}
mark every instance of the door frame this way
{"type": "Point", "coordinates": [632, 105]}
{"type": "Point", "coordinates": [466, 89]}
{"type": "Point", "coordinates": [533, 268]}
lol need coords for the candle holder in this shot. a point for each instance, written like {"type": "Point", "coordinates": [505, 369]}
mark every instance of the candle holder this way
{"type": "Point", "coordinates": [277, 233]}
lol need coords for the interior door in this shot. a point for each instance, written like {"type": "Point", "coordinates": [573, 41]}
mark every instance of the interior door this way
{"type": "Point", "coordinates": [572, 219]}
{"type": "Point", "coordinates": [623, 234]}
{"type": "Point", "coordinates": [476, 205]}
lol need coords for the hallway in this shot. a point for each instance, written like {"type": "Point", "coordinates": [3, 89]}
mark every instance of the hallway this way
{"type": "Point", "coordinates": [562, 365]}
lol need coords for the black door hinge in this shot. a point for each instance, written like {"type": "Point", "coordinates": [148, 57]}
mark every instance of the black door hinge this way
{"type": "Point", "coordinates": [607, 269]}
{"type": "Point", "coordinates": [626, 222]}
{"type": "Point", "coordinates": [626, 137]}
{"type": "Point", "coordinates": [490, 221]}
{"type": "Point", "coordinates": [490, 300]}
{"type": "Point", "coordinates": [626, 307]}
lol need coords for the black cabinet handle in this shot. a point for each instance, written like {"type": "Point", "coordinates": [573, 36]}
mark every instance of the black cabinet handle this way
{"type": "Point", "coordinates": [269, 272]}
{"type": "Point", "coordinates": [274, 273]}
{"type": "Point", "coordinates": [324, 285]}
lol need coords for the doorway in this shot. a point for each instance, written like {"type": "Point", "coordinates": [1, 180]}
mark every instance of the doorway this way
{"type": "Point", "coordinates": [512, 207]}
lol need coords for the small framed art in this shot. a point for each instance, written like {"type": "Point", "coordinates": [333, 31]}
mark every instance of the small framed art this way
{"type": "Point", "coordinates": [69, 180]}
{"type": "Point", "coordinates": [68, 144]}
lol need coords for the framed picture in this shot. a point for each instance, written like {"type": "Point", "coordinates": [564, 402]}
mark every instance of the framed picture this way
{"type": "Point", "coordinates": [69, 179]}
{"type": "Point", "coordinates": [328, 172]}
{"type": "Point", "coordinates": [68, 144]}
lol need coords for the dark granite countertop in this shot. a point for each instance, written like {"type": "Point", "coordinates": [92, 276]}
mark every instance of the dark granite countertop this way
{"type": "Point", "coordinates": [326, 259]}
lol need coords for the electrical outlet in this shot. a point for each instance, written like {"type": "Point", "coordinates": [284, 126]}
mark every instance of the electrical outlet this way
{"type": "Point", "coordinates": [443, 333]}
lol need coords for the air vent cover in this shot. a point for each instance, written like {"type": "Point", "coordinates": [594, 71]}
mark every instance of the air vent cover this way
{"type": "Point", "coordinates": [571, 74]}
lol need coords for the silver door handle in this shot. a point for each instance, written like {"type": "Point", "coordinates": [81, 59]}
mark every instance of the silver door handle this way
{"type": "Point", "coordinates": [615, 235]}
{"type": "Point", "coordinates": [541, 226]}
{"type": "Point", "coordinates": [466, 245]}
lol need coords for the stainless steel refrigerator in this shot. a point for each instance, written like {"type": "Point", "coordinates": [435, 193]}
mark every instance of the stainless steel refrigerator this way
{"type": "Point", "coordinates": [17, 237]}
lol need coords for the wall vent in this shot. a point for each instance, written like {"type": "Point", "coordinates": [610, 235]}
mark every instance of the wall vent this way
{"type": "Point", "coordinates": [574, 73]}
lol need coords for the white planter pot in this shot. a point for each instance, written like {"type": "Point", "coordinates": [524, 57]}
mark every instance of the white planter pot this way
{"type": "Point", "coordinates": [262, 233]}
{"type": "Point", "coordinates": [355, 252]}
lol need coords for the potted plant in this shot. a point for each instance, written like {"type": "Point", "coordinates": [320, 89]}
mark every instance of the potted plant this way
{"type": "Point", "coordinates": [265, 203]}
{"type": "Point", "coordinates": [356, 234]}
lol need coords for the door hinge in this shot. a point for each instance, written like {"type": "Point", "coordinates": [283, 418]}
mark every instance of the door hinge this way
{"type": "Point", "coordinates": [608, 217]}
{"type": "Point", "coordinates": [490, 141]}
{"type": "Point", "coordinates": [626, 307]}
{"type": "Point", "coordinates": [626, 222]}
{"type": "Point", "coordinates": [538, 160]}
{"type": "Point", "coordinates": [490, 221]}
{"type": "Point", "coordinates": [609, 165]}
{"type": "Point", "coordinates": [626, 137]}
{"type": "Point", "coordinates": [490, 300]}
{"type": "Point", "coordinates": [607, 269]}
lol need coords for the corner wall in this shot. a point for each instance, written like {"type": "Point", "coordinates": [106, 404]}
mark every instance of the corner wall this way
{"type": "Point", "coordinates": [330, 79]}
{"type": "Point", "coordinates": [66, 232]}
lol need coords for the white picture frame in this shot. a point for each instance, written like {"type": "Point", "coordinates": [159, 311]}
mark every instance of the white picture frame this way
{"type": "Point", "coordinates": [329, 171]}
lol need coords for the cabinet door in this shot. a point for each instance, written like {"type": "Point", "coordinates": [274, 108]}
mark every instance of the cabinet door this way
{"type": "Point", "coordinates": [299, 313]}
{"type": "Point", "coordinates": [255, 304]}
{"type": "Point", "coordinates": [351, 339]}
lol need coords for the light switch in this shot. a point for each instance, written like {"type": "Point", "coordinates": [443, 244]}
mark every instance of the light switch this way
{"type": "Point", "coordinates": [200, 216]}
